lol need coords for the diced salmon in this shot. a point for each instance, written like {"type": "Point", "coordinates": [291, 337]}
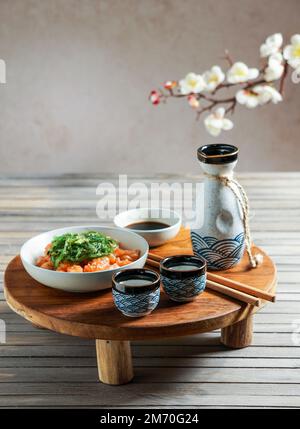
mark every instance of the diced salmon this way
{"type": "Point", "coordinates": [74, 269]}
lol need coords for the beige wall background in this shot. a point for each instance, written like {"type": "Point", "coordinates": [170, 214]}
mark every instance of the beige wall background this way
{"type": "Point", "coordinates": [79, 73]}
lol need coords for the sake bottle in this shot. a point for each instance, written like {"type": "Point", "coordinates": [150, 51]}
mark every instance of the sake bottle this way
{"type": "Point", "coordinates": [220, 239]}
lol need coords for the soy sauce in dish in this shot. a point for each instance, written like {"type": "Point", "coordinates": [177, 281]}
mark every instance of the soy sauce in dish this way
{"type": "Point", "coordinates": [148, 225]}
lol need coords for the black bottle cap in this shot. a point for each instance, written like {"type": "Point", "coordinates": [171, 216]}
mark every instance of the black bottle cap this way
{"type": "Point", "coordinates": [217, 153]}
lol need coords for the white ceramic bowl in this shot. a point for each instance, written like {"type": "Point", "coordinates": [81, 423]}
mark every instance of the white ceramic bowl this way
{"type": "Point", "coordinates": [80, 282]}
{"type": "Point", "coordinates": [155, 237]}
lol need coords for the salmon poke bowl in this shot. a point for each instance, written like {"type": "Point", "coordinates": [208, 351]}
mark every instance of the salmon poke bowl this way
{"type": "Point", "coordinates": [82, 258]}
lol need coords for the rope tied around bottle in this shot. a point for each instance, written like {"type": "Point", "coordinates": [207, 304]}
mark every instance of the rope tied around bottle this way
{"type": "Point", "coordinates": [240, 194]}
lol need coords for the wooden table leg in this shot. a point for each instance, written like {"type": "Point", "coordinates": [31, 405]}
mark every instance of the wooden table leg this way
{"type": "Point", "coordinates": [114, 361]}
{"type": "Point", "coordinates": [238, 335]}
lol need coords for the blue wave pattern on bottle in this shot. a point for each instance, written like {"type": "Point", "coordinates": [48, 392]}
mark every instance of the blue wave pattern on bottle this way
{"type": "Point", "coordinates": [219, 254]}
{"type": "Point", "coordinates": [184, 289]}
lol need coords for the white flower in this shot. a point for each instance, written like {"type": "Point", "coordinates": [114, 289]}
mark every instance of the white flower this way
{"type": "Point", "coordinates": [248, 98]}
{"type": "Point", "coordinates": [272, 45]}
{"type": "Point", "coordinates": [258, 96]}
{"type": "Point", "coordinates": [275, 68]}
{"type": "Point", "coordinates": [292, 52]}
{"type": "Point", "coordinates": [240, 72]}
{"type": "Point", "coordinates": [215, 122]}
{"type": "Point", "coordinates": [276, 57]}
{"type": "Point", "coordinates": [192, 83]}
{"type": "Point", "coordinates": [273, 72]}
{"type": "Point", "coordinates": [213, 78]}
{"type": "Point", "coordinates": [267, 93]}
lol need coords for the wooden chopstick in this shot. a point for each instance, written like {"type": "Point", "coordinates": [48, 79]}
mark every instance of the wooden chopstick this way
{"type": "Point", "coordinates": [152, 263]}
{"type": "Point", "coordinates": [233, 284]}
{"type": "Point", "coordinates": [241, 296]}
{"type": "Point", "coordinates": [155, 257]}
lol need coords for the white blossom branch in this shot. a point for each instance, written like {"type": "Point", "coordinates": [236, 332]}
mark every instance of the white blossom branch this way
{"type": "Point", "coordinates": [252, 87]}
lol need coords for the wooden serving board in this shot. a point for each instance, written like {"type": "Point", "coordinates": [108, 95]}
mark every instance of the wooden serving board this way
{"type": "Point", "coordinates": [93, 315]}
{"type": "Point", "coordinates": [180, 245]}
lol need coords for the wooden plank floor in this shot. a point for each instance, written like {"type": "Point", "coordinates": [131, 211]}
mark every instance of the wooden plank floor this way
{"type": "Point", "coordinates": [43, 369]}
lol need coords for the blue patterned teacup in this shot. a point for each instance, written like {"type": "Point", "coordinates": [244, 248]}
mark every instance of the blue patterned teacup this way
{"type": "Point", "coordinates": [183, 277]}
{"type": "Point", "coordinates": [136, 291]}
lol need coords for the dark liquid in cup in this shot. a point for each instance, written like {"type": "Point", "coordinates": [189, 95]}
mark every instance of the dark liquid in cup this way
{"type": "Point", "coordinates": [184, 267]}
{"type": "Point", "coordinates": [135, 282]}
{"type": "Point", "coordinates": [134, 286]}
{"type": "Point", "coordinates": [147, 225]}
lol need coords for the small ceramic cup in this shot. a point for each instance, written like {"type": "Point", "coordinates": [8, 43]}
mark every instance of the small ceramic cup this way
{"type": "Point", "coordinates": [136, 291]}
{"type": "Point", "coordinates": [183, 277]}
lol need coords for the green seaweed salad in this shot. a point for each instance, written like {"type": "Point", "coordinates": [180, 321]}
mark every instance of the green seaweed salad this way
{"type": "Point", "coordinates": [77, 247]}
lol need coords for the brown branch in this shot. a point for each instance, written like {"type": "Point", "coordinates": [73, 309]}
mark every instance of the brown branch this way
{"type": "Point", "coordinates": [205, 109]}
{"type": "Point", "coordinates": [231, 108]}
{"type": "Point", "coordinates": [212, 101]}
{"type": "Point", "coordinates": [224, 85]}
{"type": "Point", "coordinates": [230, 85]}
{"type": "Point", "coordinates": [218, 100]}
{"type": "Point", "coordinates": [254, 83]}
{"type": "Point", "coordinates": [284, 75]}
{"type": "Point", "coordinates": [228, 58]}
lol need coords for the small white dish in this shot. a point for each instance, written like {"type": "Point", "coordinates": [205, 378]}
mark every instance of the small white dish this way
{"type": "Point", "coordinates": [80, 282]}
{"type": "Point", "coordinates": [154, 237]}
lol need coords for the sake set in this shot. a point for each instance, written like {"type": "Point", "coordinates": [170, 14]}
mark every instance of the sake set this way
{"type": "Point", "coordinates": [68, 258]}
{"type": "Point", "coordinates": [218, 244]}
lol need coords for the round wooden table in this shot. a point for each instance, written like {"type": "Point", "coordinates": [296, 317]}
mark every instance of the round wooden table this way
{"type": "Point", "coordinates": [94, 315]}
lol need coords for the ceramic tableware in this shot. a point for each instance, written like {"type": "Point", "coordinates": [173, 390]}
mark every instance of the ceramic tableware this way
{"type": "Point", "coordinates": [136, 292]}
{"type": "Point", "coordinates": [183, 277]}
{"type": "Point", "coordinates": [81, 281]}
{"type": "Point", "coordinates": [220, 240]}
{"type": "Point", "coordinates": [163, 224]}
